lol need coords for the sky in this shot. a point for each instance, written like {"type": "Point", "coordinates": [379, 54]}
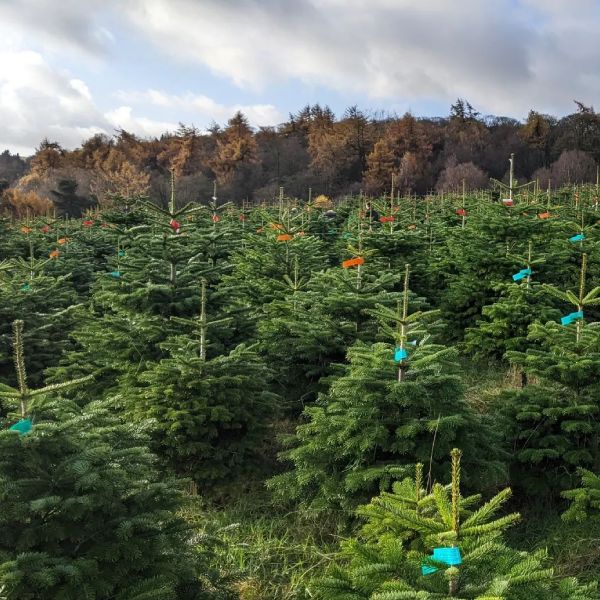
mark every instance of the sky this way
{"type": "Point", "coordinates": [73, 68]}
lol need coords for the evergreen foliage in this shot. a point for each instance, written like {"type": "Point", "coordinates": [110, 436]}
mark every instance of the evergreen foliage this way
{"type": "Point", "coordinates": [585, 500]}
{"type": "Point", "coordinates": [211, 415]}
{"type": "Point", "coordinates": [552, 425]}
{"type": "Point", "coordinates": [393, 563]}
{"type": "Point", "coordinates": [47, 305]}
{"type": "Point", "coordinates": [380, 418]}
{"type": "Point", "coordinates": [216, 336]}
{"type": "Point", "coordinates": [85, 514]}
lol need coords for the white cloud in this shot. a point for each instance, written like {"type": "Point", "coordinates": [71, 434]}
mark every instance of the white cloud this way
{"type": "Point", "coordinates": [37, 101]}
{"type": "Point", "coordinates": [205, 108]}
{"type": "Point", "coordinates": [505, 56]}
{"type": "Point", "coordinates": [67, 24]}
{"type": "Point", "coordinates": [123, 118]}
{"type": "Point", "coordinates": [81, 87]}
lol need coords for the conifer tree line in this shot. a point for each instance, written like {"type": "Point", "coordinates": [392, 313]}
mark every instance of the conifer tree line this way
{"type": "Point", "coordinates": [314, 152]}
{"type": "Point", "coordinates": [416, 378]}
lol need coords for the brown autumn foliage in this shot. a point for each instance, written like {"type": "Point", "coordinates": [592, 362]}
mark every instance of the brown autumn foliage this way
{"type": "Point", "coordinates": [317, 151]}
{"type": "Point", "coordinates": [403, 152]}
{"type": "Point", "coordinates": [338, 149]}
{"type": "Point", "coordinates": [124, 181]}
{"type": "Point", "coordinates": [20, 204]}
{"type": "Point", "coordinates": [187, 152]}
{"type": "Point", "coordinates": [456, 174]}
{"type": "Point", "coordinates": [236, 148]}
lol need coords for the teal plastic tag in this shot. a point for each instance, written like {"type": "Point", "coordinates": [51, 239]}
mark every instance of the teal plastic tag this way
{"type": "Point", "coordinates": [574, 316]}
{"type": "Point", "coordinates": [400, 354]}
{"type": "Point", "coordinates": [447, 556]}
{"type": "Point", "coordinates": [521, 274]}
{"type": "Point", "coordinates": [23, 426]}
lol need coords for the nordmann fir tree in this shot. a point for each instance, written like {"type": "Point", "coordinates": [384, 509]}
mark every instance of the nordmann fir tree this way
{"type": "Point", "coordinates": [84, 248]}
{"type": "Point", "coordinates": [5, 239]}
{"type": "Point", "coordinates": [392, 406]}
{"type": "Point", "coordinates": [504, 324]}
{"type": "Point", "coordinates": [474, 260]}
{"type": "Point", "coordinates": [84, 514]}
{"type": "Point", "coordinates": [269, 255]}
{"type": "Point", "coordinates": [470, 561]}
{"type": "Point", "coordinates": [211, 410]}
{"type": "Point", "coordinates": [347, 295]}
{"type": "Point", "coordinates": [45, 303]}
{"type": "Point", "coordinates": [585, 500]}
{"type": "Point", "coordinates": [22, 394]}
{"type": "Point", "coordinates": [129, 312]}
{"type": "Point", "coordinates": [308, 328]}
{"type": "Point", "coordinates": [301, 340]}
{"type": "Point", "coordinates": [554, 422]}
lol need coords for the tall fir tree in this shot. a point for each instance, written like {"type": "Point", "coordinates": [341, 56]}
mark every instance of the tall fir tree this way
{"type": "Point", "coordinates": [84, 512]}
{"type": "Point", "coordinates": [504, 324]}
{"type": "Point", "coordinates": [48, 306]}
{"type": "Point", "coordinates": [301, 340]}
{"type": "Point", "coordinates": [553, 425]}
{"type": "Point", "coordinates": [152, 276]}
{"type": "Point", "coordinates": [211, 411]}
{"type": "Point", "coordinates": [475, 258]}
{"type": "Point", "coordinates": [391, 406]}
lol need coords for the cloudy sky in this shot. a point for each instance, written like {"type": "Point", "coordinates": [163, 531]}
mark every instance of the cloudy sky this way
{"type": "Point", "coordinates": [71, 68]}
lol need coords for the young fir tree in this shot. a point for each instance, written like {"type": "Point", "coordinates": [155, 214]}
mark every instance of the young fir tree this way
{"type": "Point", "coordinates": [128, 317]}
{"type": "Point", "coordinates": [85, 514]}
{"type": "Point", "coordinates": [6, 239]}
{"type": "Point", "coordinates": [321, 314]}
{"type": "Point", "coordinates": [348, 294]}
{"type": "Point", "coordinates": [396, 240]}
{"type": "Point", "coordinates": [83, 249]}
{"type": "Point", "coordinates": [47, 306]}
{"type": "Point", "coordinates": [258, 270]}
{"type": "Point", "coordinates": [504, 324]}
{"type": "Point", "coordinates": [392, 406]}
{"type": "Point", "coordinates": [301, 341]}
{"type": "Point", "coordinates": [553, 424]}
{"type": "Point", "coordinates": [474, 260]}
{"type": "Point", "coordinates": [211, 411]}
{"type": "Point", "coordinates": [471, 560]}
{"type": "Point", "coordinates": [585, 500]}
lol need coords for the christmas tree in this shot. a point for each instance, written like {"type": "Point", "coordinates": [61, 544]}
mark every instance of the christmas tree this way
{"type": "Point", "coordinates": [391, 406]}
{"type": "Point", "coordinates": [85, 514]}
{"type": "Point", "coordinates": [48, 306]}
{"type": "Point", "coordinates": [474, 259]}
{"type": "Point", "coordinates": [504, 324]}
{"type": "Point", "coordinates": [301, 340]}
{"type": "Point", "coordinates": [553, 427]}
{"type": "Point", "coordinates": [152, 276]}
{"type": "Point", "coordinates": [211, 411]}
{"type": "Point", "coordinates": [470, 561]}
